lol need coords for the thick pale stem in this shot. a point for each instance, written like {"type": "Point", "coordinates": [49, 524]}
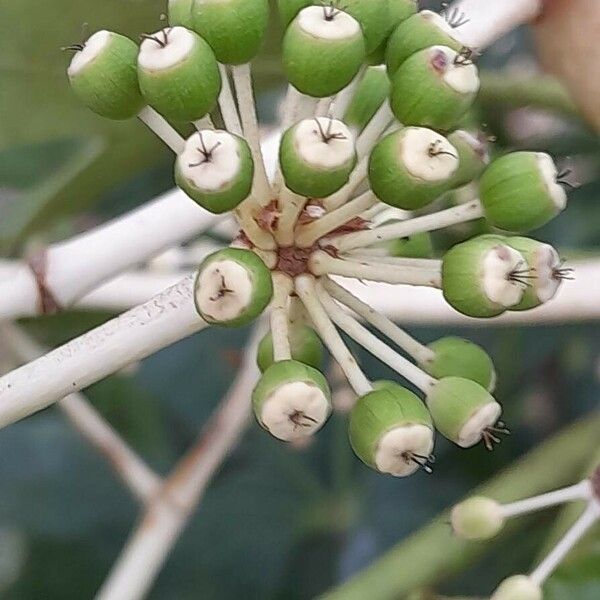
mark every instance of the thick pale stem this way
{"type": "Point", "coordinates": [204, 123]}
{"type": "Point", "coordinates": [242, 81]}
{"type": "Point", "coordinates": [162, 129]}
{"type": "Point", "coordinates": [374, 345]}
{"type": "Point", "coordinates": [227, 105]}
{"type": "Point", "coordinates": [129, 338]}
{"type": "Point", "coordinates": [306, 289]}
{"type": "Point", "coordinates": [291, 205]}
{"type": "Point", "coordinates": [580, 491]}
{"type": "Point", "coordinates": [322, 263]}
{"type": "Point", "coordinates": [343, 99]}
{"type": "Point", "coordinates": [375, 127]}
{"type": "Point", "coordinates": [439, 220]}
{"type": "Point", "coordinates": [280, 331]}
{"type": "Point", "coordinates": [589, 517]}
{"type": "Point", "coordinates": [405, 341]}
{"type": "Point", "coordinates": [307, 235]}
{"type": "Point", "coordinates": [323, 107]}
{"type": "Point", "coordinates": [296, 106]}
{"type": "Point", "coordinates": [343, 194]}
{"type": "Point", "coordinates": [245, 213]}
{"type": "Point", "coordinates": [430, 264]}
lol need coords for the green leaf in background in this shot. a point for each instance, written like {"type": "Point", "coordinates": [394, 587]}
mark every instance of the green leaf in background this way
{"type": "Point", "coordinates": [579, 578]}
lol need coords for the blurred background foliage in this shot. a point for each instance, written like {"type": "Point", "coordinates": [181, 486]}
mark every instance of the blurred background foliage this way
{"type": "Point", "coordinates": [277, 523]}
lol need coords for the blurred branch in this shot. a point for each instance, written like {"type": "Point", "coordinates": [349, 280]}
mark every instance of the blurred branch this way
{"type": "Point", "coordinates": [167, 515]}
{"type": "Point", "coordinates": [433, 553]}
{"type": "Point", "coordinates": [131, 469]}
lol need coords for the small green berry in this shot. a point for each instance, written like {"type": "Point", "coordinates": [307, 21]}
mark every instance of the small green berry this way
{"type": "Point", "coordinates": [370, 94]}
{"type": "Point", "coordinates": [374, 19]}
{"type": "Point", "coordinates": [477, 518]}
{"type": "Point", "coordinates": [292, 400]}
{"type": "Point", "coordinates": [233, 287]}
{"type": "Point", "coordinates": [417, 245]}
{"type": "Point", "coordinates": [305, 344]}
{"type": "Point", "coordinates": [288, 9]}
{"type": "Point", "coordinates": [473, 156]}
{"type": "Point", "coordinates": [518, 587]}
{"type": "Point", "coordinates": [180, 13]}
{"type": "Point", "coordinates": [103, 75]}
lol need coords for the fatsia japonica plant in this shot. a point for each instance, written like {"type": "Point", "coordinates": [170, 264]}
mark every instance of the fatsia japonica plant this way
{"type": "Point", "coordinates": [377, 130]}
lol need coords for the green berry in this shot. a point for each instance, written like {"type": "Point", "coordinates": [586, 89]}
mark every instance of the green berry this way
{"type": "Point", "coordinates": [374, 19]}
{"type": "Point", "coordinates": [370, 94]}
{"type": "Point", "coordinates": [216, 170]}
{"type": "Point", "coordinates": [288, 9]}
{"type": "Point", "coordinates": [420, 31]}
{"type": "Point", "coordinates": [234, 28]}
{"type": "Point", "coordinates": [398, 11]}
{"type": "Point", "coordinates": [473, 156]}
{"type": "Point", "coordinates": [233, 287]}
{"type": "Point", "coordinates": [464, 412]}
{"type": "Point", "coordinates": [178, 74]}
{"type": "Point", "coordinates": [480, 277]}
{"type": "Point", "coordinates": [317, 156]}
{"type": "Point", "coordinates": [440, 84]}
{"type": "Point", "coordinates": [412, 167]}
{"type": "Point", "coordinates": [323, 50]}
{"type": "Point", "coordinates": [518, 587]}
{"type": "Point", "coordinates": [417, 245]}
{"type": "Point", "coordinates": [103, 75]}
{"type": "Point", "coordinates": [305, 344]}
{"type": "Point", "coordinates": [180, 13]}
{"type": "Point", "coordinates": [292, 400]}
{"type": "Point", "coordinates": [520, 192]}
{"type": "Point", "coordinates": [457, 357]}
{"type": "Point", "coordinates": [477, 518]}
{"type": "Point", "coordinates": [391, 431]}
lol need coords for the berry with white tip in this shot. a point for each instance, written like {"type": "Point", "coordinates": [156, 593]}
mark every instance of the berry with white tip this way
{"type": "Point", "coordinates": [215, 169]}
{"type": "Point", "coordinates": [305, 344]}
{"type": "Point", "coordinates": [443, 82]}
{"type": "Point", "coordinates": [520, 191]}
{"type": "Point", "coordinates": [103, 75]}
{"type": "Point", "coordinates": [180, 13]}
{"type": "Point", "coordinates": [412, 167]}
{"type": "Point", "coordinates": [233, 287]}
{"type": "Point", "coordinates": [473, 156]}
{"type": "Point", "coordinates": [370, 94]}
{"type": "Point", "coordinates": [457, 357]}
{"type": "Point", "coordinates": [323, 49]}
{"type": "Point", "coordinates": [481, 277]}
{"type": "Point", "coordinates": [416, 33]}
{"type": "Point", "coordinates": [391, 430]}
{"type": "Point", "coordinates": [477, 518]}
{"type": "Point", "coordinates": [234, 28]}
{"type": "Point", "coordinates": [317, 156]}
{"type": "Point", "coordinates": [291, 401]}
{"type": "Point", "coordinates": [518, 587]}
{"type": "Point", "coordinates": [178, 74]}
{"type": "Point", "coordinates": [464, 412]}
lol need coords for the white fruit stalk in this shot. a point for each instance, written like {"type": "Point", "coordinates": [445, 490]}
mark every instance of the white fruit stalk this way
{"type": "Point", "coordinates": [398, 445]}
{"type": "Point", "coordinates": [498, 265]}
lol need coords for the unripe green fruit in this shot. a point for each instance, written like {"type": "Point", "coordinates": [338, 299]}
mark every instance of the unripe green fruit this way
{"type": "Point", "coordinates": [370, 94]}
{"type": "Point", "coordinates": [178, 74]}
{"type": "Point", "coordinates": [180, 13]}
{"type": "Point", "coordinates": [412, 167]}
{"type": "Point", "coordinates": [473, 156]}
{"type": "Point", "coordinates": [518, 587]}
{"type": "Point", "coordinates": [288, 9]}
{"type": "Point", "coordinates": [417, 245]}
{"type": "Point", "coordinates": [374, 19]}
{"type": "Point", "coordinates": [416, 33]}
{"type": "Point", "coordinates": [463, 411]}
{"type": "Point", "coordinates": [233, 287]}
{"type": "Point", "coordinates": [458, 357]}
{"type": "Point", "coordinates": [477, 518]}
{"type": "Point", "coordinates": [234, 28]}
{"type": "Point", "coordinates": [480, 277]}
{"type": "Point", "coordinates": [322, 51]}
{"type": "Point", "coordinates": [317, 156]}
{"type": "Point", "coordinates": [442, 87]}
{"type": "Point", "coordinates": [391, 431]}
{"type": "Point", "coordinates": [519, 191]}
{"type": "Point", "coordinates": [291, 400]}
{"type": "Point", "coordinates": [103, 75]}
{"type": "Point", "coordinates": [216, 170]}
{"type": "Point", "coordinates": [305, 344]}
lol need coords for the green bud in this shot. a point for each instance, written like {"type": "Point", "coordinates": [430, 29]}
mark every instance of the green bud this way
{"type": "Point", "coordinates": [370, 94]}
{"type": "Point", "coordinates": [473, 156]}
{"type": "Point", "coordinates": [518, 587]}
{"type": "Point", "coordinates": [233, 287]}
{"type": "Point", "coordinates": [519, 191]}
{"type": "Point", "coordinates": [441, 82]}
{"type": "Point", "coordinates": [416, 33]}
{"type": "Point", "coordinates": [477, 518]}
{"type": "Point", "coordinates": [103, 75]}
{"type": "Point", "coordinates": [234, 28]}
{"type": "Point", "coordinates": [317, 156]}
{"type": "Point", "coordinates": [216, 170]}
{"type": "Point", "coordinates": [464, 412]}
{"type": "Point", "coordinates": [412, 167]}
{"type": "Point", "coordinates": [391, 431]}
{"type": "Point", "coordinates": [180, 13]}
{"type": "Point", "coordinates": [480, 277]}
{"type": "Point", "coordinates": [374, 19]}
{"type": "Point", "coordinates": [288, 9]}
{"type": "Point", "coordinates": [178, 74]}
{"type": "Point", "coordinates": [323, 49]}
{"type": "Point", "coordinates": [292, 400]}
{"type": "Point", "coordinates": [305, 344]}
{"type": "Point", "coordinates": [417, 245]}
{"type": "Point", "coordinates": [457, 357]}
